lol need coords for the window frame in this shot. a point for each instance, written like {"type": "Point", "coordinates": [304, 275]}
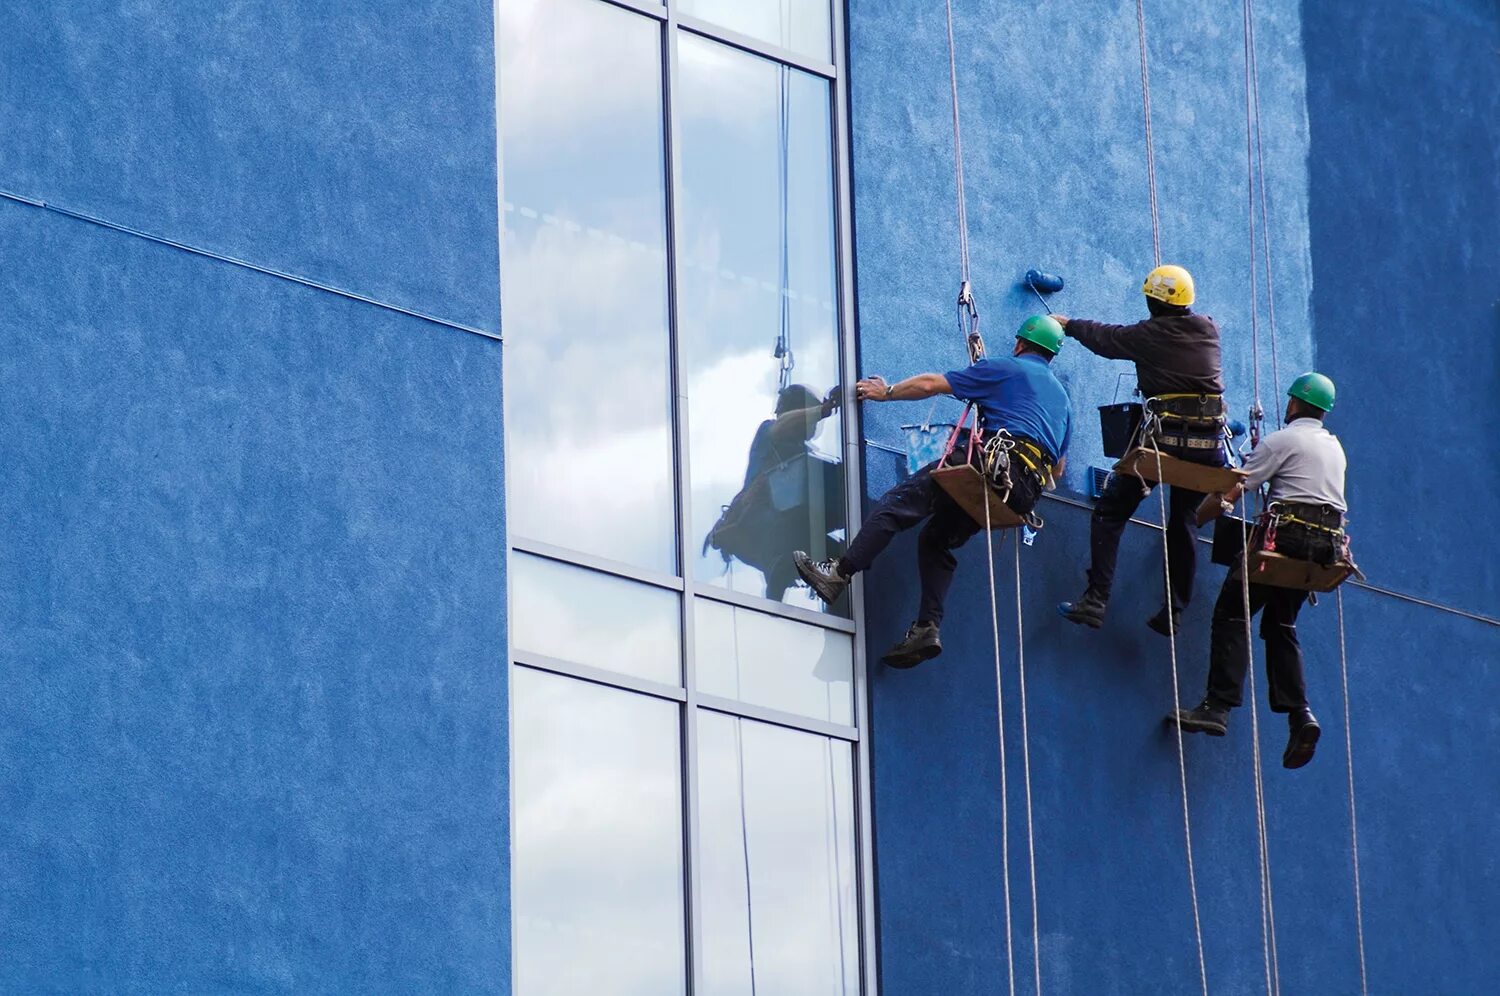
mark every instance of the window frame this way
{"type": "Point", "coordinates": [671, 23]}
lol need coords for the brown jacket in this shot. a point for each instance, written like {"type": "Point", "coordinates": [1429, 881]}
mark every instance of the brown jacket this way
{"type": "Point", "coordinates": [1173, 354]}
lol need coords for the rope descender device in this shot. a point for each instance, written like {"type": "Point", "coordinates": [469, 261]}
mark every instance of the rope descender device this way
{"type": "Point", "coordinates": [968, 322]}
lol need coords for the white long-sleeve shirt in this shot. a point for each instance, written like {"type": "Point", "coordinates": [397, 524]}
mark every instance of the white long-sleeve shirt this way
{"type": "Point", "coordinates": [1304, 463]}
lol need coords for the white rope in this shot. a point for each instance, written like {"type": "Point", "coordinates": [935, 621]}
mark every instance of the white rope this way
{"type": "Point", "coordinates": [1359, 916]}
{"type": "Point", "coordinates": [1257, 412]}
{"type": "Point", "coordinates": [1267, 907]}
{"type": "Point", "coordinates": [1265, 223]}
{"type": "Point", "coordinates": [958, 154]}
{"type": "Point", "coordinates": [1140, 21]}
{"type": "Point", "coordinates": [1036, 935]}
{"type": "Point", "coordinates": [1187, 823]}
{"type": "Point", "coordinates": [989, 545]}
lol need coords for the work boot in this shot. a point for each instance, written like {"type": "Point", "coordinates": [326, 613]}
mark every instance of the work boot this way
{"type": "Point", "coordinates": [822, 576]}
{"type": "Point", "coordinates": [1088, 610]}
{"type": "Point", "coordinates": [1303, 738]}
{"type": "Point", "coordinates": [1207, 716]}
{"type": "Point", "coordinates": [921, 642]}
{"type": "Point", "coordinates": [1159, 622]}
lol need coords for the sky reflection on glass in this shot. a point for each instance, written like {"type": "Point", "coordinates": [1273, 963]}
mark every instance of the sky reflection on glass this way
{"type": "Point", "coordinates": [800, 25]}
{"type": "Point", "coordinates": [773, 662]}
{"type": "Point", "coordinates": [575, 614]}
{"type": "Point", "coordinates": [777, 819]}
{"type": "Point", "coordinates": [584, 271]}
{"type": "Point", "coordinates": [597, 877]}
{"type": "Point", "coordinates": [757, 272]}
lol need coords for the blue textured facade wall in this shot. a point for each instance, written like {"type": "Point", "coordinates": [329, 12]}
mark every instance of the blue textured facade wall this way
{"type": "Point", "coordinates": [1367, 214]}
{"type": "Point", "coordinates": [252, 628]}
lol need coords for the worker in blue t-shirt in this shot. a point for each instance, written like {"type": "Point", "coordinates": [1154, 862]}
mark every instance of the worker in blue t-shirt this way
{"type": "Point", "coordinates": [1017, 395]}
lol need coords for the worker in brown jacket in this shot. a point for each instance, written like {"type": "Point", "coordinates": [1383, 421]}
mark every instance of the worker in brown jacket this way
{"type": "Point", "coordinates": [1179, 371]}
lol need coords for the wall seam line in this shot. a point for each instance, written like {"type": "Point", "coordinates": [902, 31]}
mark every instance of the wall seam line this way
{"type": "Point", "coordinates": [245, 264]}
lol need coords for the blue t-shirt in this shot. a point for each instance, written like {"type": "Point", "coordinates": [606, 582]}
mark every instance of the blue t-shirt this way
{"type": "Point", "coordinates": [1018, 394]}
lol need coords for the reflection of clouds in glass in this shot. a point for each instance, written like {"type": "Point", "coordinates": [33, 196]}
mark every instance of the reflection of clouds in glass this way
{"type": "Point", "coordinates": [598, 836]}
{"type": "Point", "coordinates": [774, 662]}
{"type": "Point", "coordinates": [584, 281]}
{"type": "Point", "coordinates": [794, 821]}
{"type": "Point", "coordinates": [800, 25]}
{"type": "Point", "coordinates": [575, 614]}
{"type": "Point", "coordinates": [734, 206]}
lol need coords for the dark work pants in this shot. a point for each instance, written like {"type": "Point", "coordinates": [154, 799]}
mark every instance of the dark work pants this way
{"type": "Point", "coordinates": [1229, 653]}
{"type": "Point", "coordinates": [948, 527]}
{"type": "Point", "coordinates": [1121, 497]}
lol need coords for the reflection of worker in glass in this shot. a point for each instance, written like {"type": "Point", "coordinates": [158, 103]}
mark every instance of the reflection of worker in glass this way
{"type": "Point", "coordinates": [790, 495]}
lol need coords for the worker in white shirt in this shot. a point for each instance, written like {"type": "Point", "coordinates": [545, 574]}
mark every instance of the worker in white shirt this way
{"type": "Point", "coordinates": [1304, 466]}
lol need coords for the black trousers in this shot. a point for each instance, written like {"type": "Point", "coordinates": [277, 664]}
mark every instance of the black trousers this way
{"type": "Point", "coordinates": [948, 527]}
{"type": "Point", "coordinates": [1112, 512]}
{"type": "Point", "coordinates": [1229, 651]}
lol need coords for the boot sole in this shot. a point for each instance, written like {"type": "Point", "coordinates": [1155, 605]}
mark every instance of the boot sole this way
{"type": "Point", "coordinates": [1194, 726]}
{"type": "Point", "coordinates": [1092, 622]}
{"type": "Point", "coordinates": [912, 658]}
{"type": "Point", "coordinates": [1301, 749]}
{"type": "Point", "coordinates": [1151, 625]}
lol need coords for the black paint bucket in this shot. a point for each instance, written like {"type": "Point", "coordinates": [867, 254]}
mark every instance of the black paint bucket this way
{"type": "Point", "coordinates": [1118, 425]}
{"type": "Point", "coordinates": [1229, 540]}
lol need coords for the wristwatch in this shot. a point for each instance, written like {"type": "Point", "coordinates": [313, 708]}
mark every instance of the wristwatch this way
{"type": "Point", "coordinates": [889, 388]}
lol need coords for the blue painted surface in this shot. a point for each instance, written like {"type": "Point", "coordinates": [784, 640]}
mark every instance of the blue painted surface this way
{"type": "Point", "coordinates": [1405, 111]}
{"type": "Point", "coordinates": [343, 142]}
{"type": "Point", "coordinates": [252, 632]}
{"type": "Point", "coordinates": [1056, 180]}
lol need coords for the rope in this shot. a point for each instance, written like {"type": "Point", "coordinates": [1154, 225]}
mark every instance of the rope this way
{"type": "Point", "coordinates": [989, 545]}
{"type": "Point", "coordinates": [1257, 411]}
{"type": "Point", "coordinates": [1187, 823]}
{"type": "Point", "coordinates": [784, 355]}
{"type": "Point", "coordinates": [1267, 905]}
{"type": "Point", "coordinates": [1359, 916]}
{"type": "Point", "coordinates": [1036, 935]}
{"type": "Point", "coordinates": [1265, 223]}
{"type": "Point", "coordinates": [958, 155]}
{"type": "Point", "coordinates": [1140, 22]}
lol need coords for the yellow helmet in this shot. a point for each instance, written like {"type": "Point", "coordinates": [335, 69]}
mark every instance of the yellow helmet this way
{"type": "Point", "coordinates": [1170, 285]}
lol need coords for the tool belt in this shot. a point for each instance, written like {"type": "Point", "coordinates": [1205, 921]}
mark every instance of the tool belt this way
{"type": "Point", "coordinates": [1312, 532]}
{"type": "Point", "coordinates": [1185, 421]}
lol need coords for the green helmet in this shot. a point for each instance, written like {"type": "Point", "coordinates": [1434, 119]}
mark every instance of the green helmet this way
{"type": "Point", "coordinates": [1314, 389]}
{"type": "Point", "coordinates": [1042, 330]}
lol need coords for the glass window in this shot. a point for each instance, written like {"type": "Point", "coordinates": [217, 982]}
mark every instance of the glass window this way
{"type": "Point", "coordinates": [774, 662]}
{"type": "Point", "coordinates": [584, 294]}
{"type": "Point", "coordinates": [800, 25]}
{"type": "Point", "coordinates": [777, 820]}
{"type": "Point", "coordinates": [579, 615]}
{"type": "Point", "coordinates": [758, 322]}
{"type": "Point", "coordinates": [598, 840]}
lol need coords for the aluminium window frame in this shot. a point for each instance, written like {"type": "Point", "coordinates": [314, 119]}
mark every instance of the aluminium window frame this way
{"type": "Point", "coordinates": [670, 23]}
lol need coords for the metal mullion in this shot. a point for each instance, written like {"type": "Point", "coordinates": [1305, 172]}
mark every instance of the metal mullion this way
{"type": "Point", "coordinates": [854, 490]}
{"type": "Point", "coordinates": [692, 833]}
{"type": "Point", "coordinates": [655, 10]}
{"type": "Point", "coordinates": [598, 675]}
{"type": "Point", "coordinates": [755, 603]}
{"type": "Point", "coordinates": [776, 717]}
{"type": "Point", "coordinates": [755, 46]}
{"type": "Point", "coordinates": [603, 565]}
